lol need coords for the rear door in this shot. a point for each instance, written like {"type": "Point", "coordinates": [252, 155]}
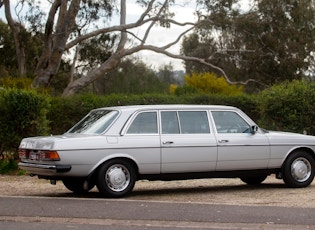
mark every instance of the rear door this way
{"type": "Point", "coordinates": [187, 142]}
{"type": "Point", "coordinates": [141, 142]}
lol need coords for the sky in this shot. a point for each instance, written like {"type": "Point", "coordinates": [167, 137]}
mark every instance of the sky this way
{"type": "Point", "coordinates": [159, 36]}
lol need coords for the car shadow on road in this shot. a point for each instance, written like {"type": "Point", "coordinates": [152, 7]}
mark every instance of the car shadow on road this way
{"type": "Point", "coordinates": [202, 190]}
{"type": "Point", "coordinates": [165, 191]}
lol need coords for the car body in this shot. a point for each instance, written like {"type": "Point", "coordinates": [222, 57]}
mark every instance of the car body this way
{"type": "Point", "coordinates": [114, 147]}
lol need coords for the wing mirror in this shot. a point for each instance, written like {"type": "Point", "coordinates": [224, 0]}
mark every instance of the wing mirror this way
{"type": "Point", "coordinates": [253, 129]}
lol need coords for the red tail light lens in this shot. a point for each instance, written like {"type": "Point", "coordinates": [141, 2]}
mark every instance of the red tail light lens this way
{"type": "Point", "coordinates": [24, 153]}
{"type": "Point", "coordinates": [39, 155]}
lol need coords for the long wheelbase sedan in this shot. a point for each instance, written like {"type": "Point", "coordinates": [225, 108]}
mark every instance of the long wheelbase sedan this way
{"type": "Point", "coordinates": [114, 147]}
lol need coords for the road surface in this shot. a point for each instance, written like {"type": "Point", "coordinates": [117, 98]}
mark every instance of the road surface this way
{"type": "Point", "coordinates": [98, 213]}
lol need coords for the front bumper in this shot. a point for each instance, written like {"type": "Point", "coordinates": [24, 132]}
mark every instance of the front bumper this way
{"type": "Point", "coordinates": [44, 169]}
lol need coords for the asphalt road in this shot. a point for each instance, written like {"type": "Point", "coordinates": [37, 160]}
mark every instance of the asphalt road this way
{"type": "Point", "coordinates": [97, 213]}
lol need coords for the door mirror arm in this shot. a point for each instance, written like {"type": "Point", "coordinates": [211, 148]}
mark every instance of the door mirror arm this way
{"type": "Point", "coordinates": [253, 129]}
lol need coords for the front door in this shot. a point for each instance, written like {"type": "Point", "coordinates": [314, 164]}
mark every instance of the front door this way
{"type": "Point", "coordinates": [238, 148]}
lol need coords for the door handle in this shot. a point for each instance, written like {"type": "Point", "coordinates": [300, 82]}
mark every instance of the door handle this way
{"type": "Point", "coordinates": [223, 141]}
{"type": "Point", "coordinates": [167, 142]}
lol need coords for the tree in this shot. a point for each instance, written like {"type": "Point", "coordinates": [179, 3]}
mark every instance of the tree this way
{"type": "Point", "coordinates": [30, 45]}
{"type": "Point", "coordinates": [271, 42]}
{"type": "Point", "coordinates": [131, 77]}
{"type": "Point", "coordinates": [70, 23]}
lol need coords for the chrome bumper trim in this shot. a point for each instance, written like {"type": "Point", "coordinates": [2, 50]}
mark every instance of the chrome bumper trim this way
{"type": "Point", "coordinates": [35, 167]}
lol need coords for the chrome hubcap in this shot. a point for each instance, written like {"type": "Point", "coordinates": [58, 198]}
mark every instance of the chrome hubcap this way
{"type": "Point", "coordinates": [301, 169]}
{"type": "Point", "coordinates": [117, 177]}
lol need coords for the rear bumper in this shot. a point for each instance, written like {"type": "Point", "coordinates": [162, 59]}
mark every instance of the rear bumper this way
{"type": "Point", "coordinates": [43, 169]}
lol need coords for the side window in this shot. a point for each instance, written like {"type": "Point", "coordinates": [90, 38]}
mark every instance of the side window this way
{"type": "Point", "coordinates": [169, 122]}
{"type": "Point", "coordinates": [144, 123]}
{"type": "Point", "coordinates": [230, 122]}
{"type": "Point", "coordinates": [194, 122]}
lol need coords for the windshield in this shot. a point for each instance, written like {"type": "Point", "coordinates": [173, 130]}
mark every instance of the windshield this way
{"type": "Point", "coordinates": [96, 122]}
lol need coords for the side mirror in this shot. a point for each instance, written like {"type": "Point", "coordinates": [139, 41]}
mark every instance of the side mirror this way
{"type": "Point", "coordinates": [253, 129]}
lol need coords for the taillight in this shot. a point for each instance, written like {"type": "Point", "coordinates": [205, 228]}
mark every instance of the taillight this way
{"type": "Point", "coordinates": [39, 155]}
{"type": "Point", "coordinates": [49, 156]}
{"type": "Point", "coordinates": [24, 153]}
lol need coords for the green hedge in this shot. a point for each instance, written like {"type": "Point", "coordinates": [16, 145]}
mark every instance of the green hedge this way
{"type": "Point", "coordinates": [22, 114]}
{"type": "Point", "coordinates": [289, 106]}
{"type": "Point", "coordinates": [65, 112]}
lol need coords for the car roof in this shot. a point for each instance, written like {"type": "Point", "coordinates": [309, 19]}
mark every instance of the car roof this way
{"type": "Point", "coordinates": [167, 107]}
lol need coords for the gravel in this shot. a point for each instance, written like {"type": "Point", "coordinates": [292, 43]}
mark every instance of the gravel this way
{"type": "Point", "coordinates": [217, 191]}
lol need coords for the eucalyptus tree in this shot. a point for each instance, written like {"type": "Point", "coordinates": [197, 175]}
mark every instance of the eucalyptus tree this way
{"type": "Point", "coordinates": [270, 41]}
{"type": "Point", "coordinates": [68, 24]}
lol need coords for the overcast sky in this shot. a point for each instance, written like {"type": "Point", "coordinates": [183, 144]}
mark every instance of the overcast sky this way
{"type": "Point", "coordinates": [160, 36]}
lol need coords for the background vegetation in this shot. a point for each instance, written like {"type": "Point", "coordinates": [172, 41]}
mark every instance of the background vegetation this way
{"type": "Point", "coordinates": [23, 112]}
{"type": "Point", "coordinates": [53, 72]}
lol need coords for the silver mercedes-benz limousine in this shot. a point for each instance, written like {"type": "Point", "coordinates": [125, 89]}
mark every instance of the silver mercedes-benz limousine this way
{"type": "Point", "coordinates": [114, 147]}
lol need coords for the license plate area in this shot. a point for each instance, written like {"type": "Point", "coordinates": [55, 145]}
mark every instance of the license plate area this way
{"type": "Point", "coordinates": [34, 155]}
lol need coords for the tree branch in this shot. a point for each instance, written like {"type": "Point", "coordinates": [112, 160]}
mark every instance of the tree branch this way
{"type": "Point", "coordinates": [203, 61]}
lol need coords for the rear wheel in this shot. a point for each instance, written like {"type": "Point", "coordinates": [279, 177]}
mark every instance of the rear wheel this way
{"type": "Point", "coordinates": [253, 180]}
{"type": "Point", "coordinates": [77, 186]}
{"type": "Point", "coordinates": [116, 178]}
{"type": "Point", "coordinates": [298, 170]}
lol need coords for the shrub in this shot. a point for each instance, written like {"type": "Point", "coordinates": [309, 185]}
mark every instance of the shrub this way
{"type": "Point", "coordinates": [17, 83]}
{"type": "Point", "coordinates": [22, 114]}
{"type": "Point", "coordinates": [289, 106]}
{"type": "Point", "coordinates": [65, 112]}
{"type": "Point", "coordinates": [208, 83]}
{"type": "Point", "coordinates": [8, 166]}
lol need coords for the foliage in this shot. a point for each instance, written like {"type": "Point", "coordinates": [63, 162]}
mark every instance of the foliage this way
{"type": "Point", "coordinates": [30, 44]}
{"type": "Point", "coordinates": [288, 106]}
{"type": "Point", "coordinates": [208, 83]}
{"type": "Point", "coordinates": [65, 112]}
{"type": "Point", "coordinates": [173, 88]}
{"type": "Point", "coordinates": [130, 77]}
{"type": "Point", "coordinates": [17, 83]}
{"type": "Point", "coordinates": [79, 30]}
{"type": "Point", "coordinates": [271, 41]}
{"type": "Point", "coordinates": [8, 166]}
{"type": "Point", "coordinates": [23, 114]}
{"type": "Point", "coordinates": [96, 50]}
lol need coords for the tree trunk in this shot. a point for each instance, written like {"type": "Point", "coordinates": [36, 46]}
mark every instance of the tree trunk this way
{"type": "Point", "coordinates": [75, 86]}
{"type": "Point", "coordinates": [110, 64]}
{"type": "Point", "coordinates": [55, 42]}
{"type": "Point", "coordinates": [18, 40]}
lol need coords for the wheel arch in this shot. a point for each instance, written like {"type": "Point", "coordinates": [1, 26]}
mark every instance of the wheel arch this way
{"type": "Point", "coordinates": [94, 172]}
{"type": "Point", "coordinates": [301, 148]}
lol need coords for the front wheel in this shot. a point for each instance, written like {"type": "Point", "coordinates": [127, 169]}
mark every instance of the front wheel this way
{"type": "Point", "coordinates": [116, 178]}
{"type": "Point", "coordinates": [298, 170]}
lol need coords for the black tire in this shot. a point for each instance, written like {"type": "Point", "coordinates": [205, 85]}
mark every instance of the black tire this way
{"type": "Point", "coordinates": [253, 180]}
{"type": "Point", "coordinates": [77, 185]}
{"type": "Point", "coordinates": [116, 178]}
{"type": "Point", "coordinates": [298, 170]}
